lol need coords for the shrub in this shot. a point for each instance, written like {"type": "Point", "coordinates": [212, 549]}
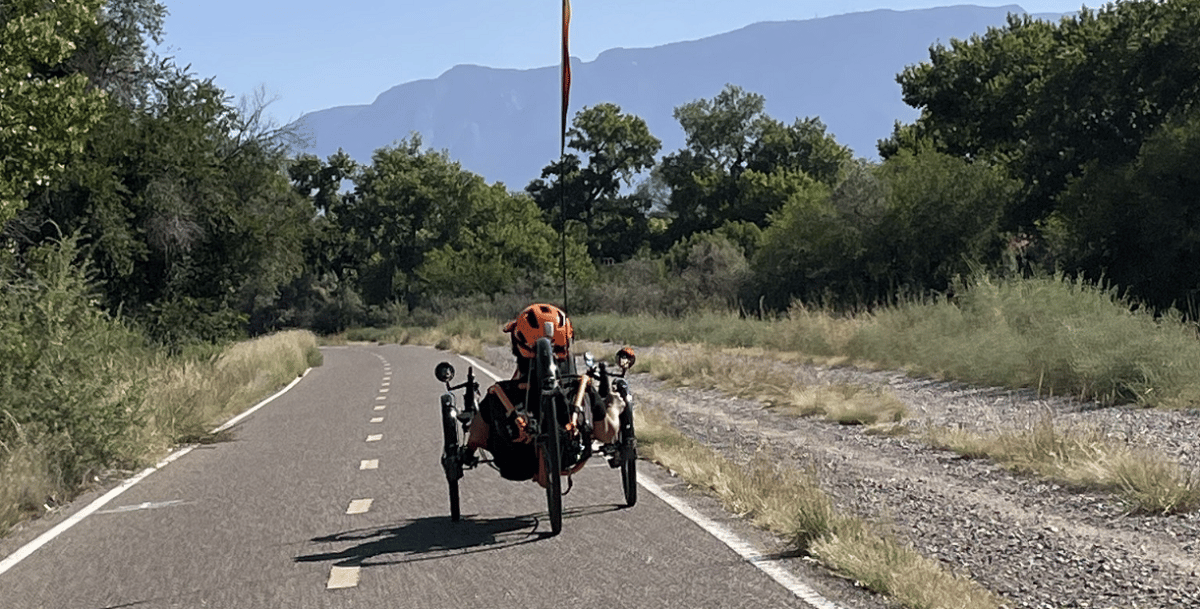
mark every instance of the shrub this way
{"type": "Point", "coordinates": [68, 372]}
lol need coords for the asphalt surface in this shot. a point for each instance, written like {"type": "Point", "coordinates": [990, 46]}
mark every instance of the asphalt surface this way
{"type": "Point", "coordinates": [261, 520]}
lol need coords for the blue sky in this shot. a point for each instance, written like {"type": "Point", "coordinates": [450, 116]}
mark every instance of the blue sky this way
{"type": "Point", "coordinates": [317, 54]}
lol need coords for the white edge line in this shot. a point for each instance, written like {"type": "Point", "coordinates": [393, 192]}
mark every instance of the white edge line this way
{"type": "Point", "coordinates": [24, 551]}
{"type": "Point", "coordinates": [238, 419]}
{"type": "Point", "coordinates": [767, 565]}
{"type": "Point", "coordinates": [480, 367]}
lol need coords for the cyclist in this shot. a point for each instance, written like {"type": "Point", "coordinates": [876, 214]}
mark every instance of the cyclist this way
{"type": "Point", "coordinates": [500, 426]}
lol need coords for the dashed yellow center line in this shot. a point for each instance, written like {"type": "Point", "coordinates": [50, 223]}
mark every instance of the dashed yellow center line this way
{"type": "Point", "coordinates": [375, 437]}
{"type": "Point", "coordinates": [342, 577]}
{"type": "Point", "coordinates": [359, 506]}
{"type": "Point", "coordinates": [377, 420]}
{"type": "Point", "coordinates": [369, 464]}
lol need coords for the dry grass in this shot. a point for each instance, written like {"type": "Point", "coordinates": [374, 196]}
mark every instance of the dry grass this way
{"type": "Point", "coordinates": [1148, 482]}
{"type": "Point", "coordinates": [27, 479]}
{"type": "Point", "coordinates": [889, 567]}
{"type": "Point", "coordinates": [758, 375]}
{"type": "Point", "coordinates": [789, 503]}
{"type": "Point", "coordinates": [188, 397]}
{"type": "Point", "coordinates": [464, 335]}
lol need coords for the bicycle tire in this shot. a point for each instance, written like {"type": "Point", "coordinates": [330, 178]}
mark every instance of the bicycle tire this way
{"type": "Point", "coordinates": [628, 457]}
{"type": "Point", "coordinates": [549, 435]}
{"type": "Point", "coordinates": [553, 453]}
{"type": "Point", "coordinates": [450, 461]}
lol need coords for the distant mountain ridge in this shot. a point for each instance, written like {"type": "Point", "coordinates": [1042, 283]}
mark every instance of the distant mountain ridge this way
{"type": "Point", "coordinates": [504, 124]}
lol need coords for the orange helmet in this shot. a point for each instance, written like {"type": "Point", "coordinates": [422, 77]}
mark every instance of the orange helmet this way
{"type": "Point", "coordinates": [530, 325]}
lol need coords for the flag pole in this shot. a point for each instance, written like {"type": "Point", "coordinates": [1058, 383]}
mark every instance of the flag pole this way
{"type": "Point", "coordinates": [562, 141]}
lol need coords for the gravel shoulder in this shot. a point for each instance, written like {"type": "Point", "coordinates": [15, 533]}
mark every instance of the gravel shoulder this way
{"type": "Point", "coordinates": [1034, 543]}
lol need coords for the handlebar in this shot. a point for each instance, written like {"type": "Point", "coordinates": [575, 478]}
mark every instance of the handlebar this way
{"type": "Point", "coordinates": [471, 393]}
{"type": "Point", "coordinates": [605, 382]}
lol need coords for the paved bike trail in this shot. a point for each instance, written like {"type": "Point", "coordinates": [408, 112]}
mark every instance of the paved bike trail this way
{"type": "Point", "coordinates": [260, 520]}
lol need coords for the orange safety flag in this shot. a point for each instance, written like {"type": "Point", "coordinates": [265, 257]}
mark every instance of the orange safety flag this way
{"type": "Point", "coordinates": [566, 72]}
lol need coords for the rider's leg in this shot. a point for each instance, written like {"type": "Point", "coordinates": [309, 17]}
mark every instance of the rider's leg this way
{"type": "Point", "coordinates": [541, 478]}
{"type": "Point", "coordinates": [477, 433]}
{"type": "Point", "coordinates": [605, 427]}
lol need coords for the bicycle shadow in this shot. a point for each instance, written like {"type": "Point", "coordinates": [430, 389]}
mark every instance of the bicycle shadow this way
{"type": "Point", "coordinates": [436, 537]}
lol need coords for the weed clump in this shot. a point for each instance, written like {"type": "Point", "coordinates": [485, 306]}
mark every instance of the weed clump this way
{"type": "Point", "coordinates": [789, 503]}
{"type": "Point", "coordinates": [1084, 458]}
{"type": "Point", "coordinates": [747, 374]}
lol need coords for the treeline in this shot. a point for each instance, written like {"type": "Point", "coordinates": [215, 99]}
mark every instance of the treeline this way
{"type": "Point", "coordinates": [1040, 147]}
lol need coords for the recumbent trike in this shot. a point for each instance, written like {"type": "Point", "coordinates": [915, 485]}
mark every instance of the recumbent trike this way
{"type": "Point", "coordinates": [556, 421]}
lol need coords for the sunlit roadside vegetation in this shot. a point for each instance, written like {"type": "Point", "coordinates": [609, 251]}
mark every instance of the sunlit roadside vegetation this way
{"type": "Point", "coordinates": [181, 399]}
{"type": "Point", "coordinates": [1083, 458]}
{"type": "Point", "coordinates": [1052, 334]}
{"type": "Point", "coordinates": [753, 375]}
{"type": "Point", "coordinates": [789, 503]}
{"type": "Point", "coordinates": [82, 396]}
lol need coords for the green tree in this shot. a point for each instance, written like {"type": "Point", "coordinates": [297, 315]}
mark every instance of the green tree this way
{"type": "Point", "coordinates": [733, 152]}
{"type": "Point", "coordinates": [706, 271]}
{"type": "Point", "coordinates": [330, 249]}
{"type": "Point", "coordinates": [1045, 100]}
{"type": "Point", "coordinates": [116, 54]}
{"type": "Point", "coordinates": [1138, 225]}
{"type": "Point", "coordinates": [189, 219]}
{"type": "Point", "coordinates": [44, 113]}
{"type": "Point", "coordinates": [424, 225]}
{"type": "Point", "coordinates": [406, 203]}
{"type": "Point", "coordinates": [942, 217]}
{"type": "Point", "coordinates": [618, 147]}
{"type": "Point", "coordinates": [826, 245]}
{"type": "Point", "coordinates": [505, 247]}
{"type": "Point", "coordinates": [807, 251]}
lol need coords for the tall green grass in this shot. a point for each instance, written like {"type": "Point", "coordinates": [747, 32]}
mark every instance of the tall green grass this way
{"type": "Point", "coordinates": [1057, 335]}
{"type": "Point", "coordinates": [1053, 334]}
{"type": "Point", "coordinates": [71, 388]}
